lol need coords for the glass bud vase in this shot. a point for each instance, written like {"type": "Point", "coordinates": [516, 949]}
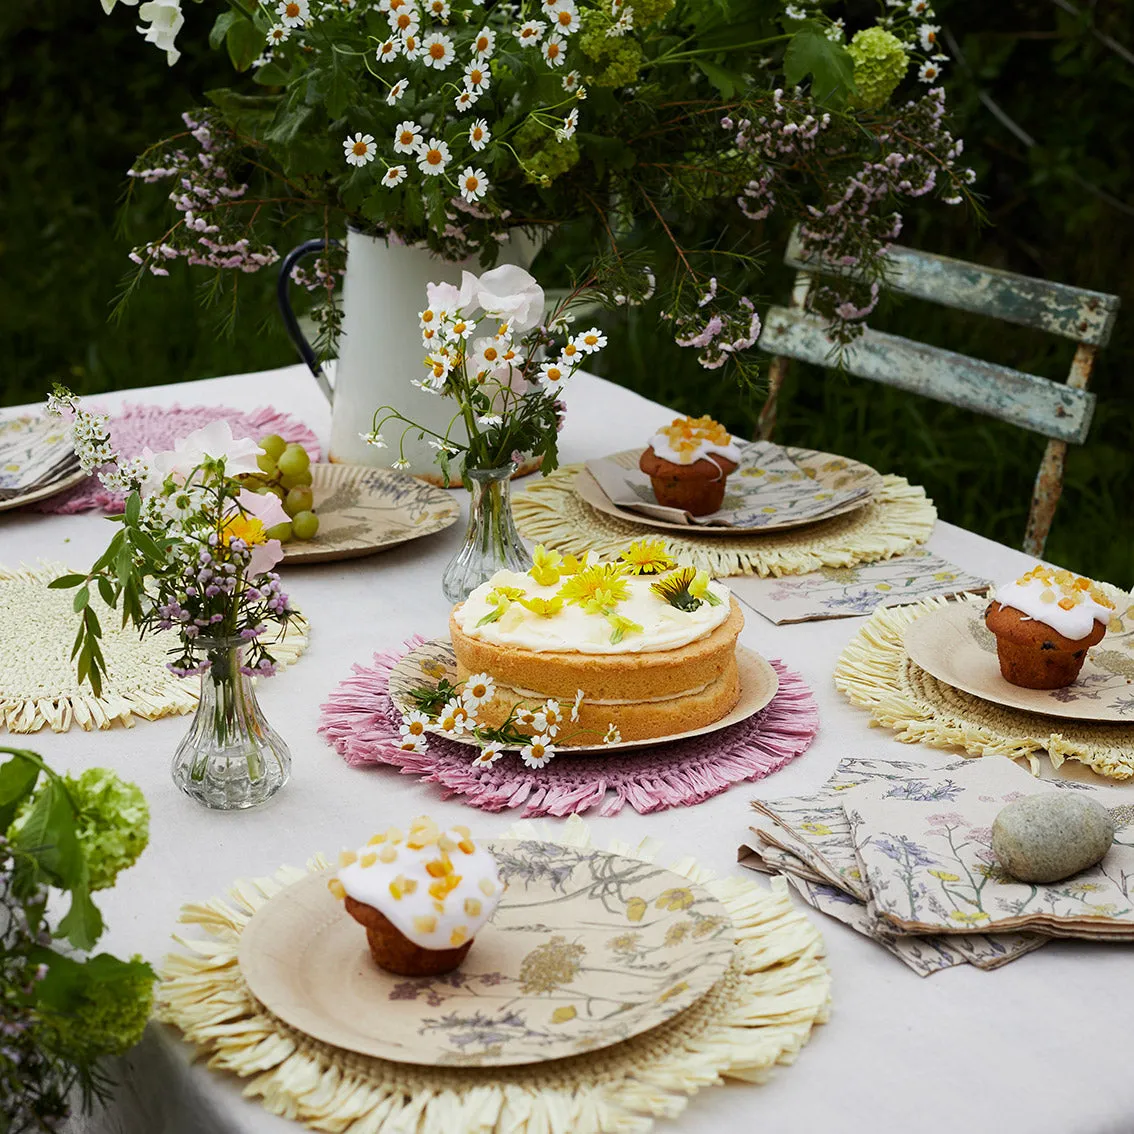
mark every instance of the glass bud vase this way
{"type": "Point", "coordinates": [231, 758]}
{"type": "Point", "coordinates": [491, 540]}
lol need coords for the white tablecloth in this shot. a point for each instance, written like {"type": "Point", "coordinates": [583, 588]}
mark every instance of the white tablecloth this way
{"type": "Point", "coordinates": [1040, 1047]}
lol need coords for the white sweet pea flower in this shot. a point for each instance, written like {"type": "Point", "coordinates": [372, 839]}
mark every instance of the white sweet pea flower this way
{"type": "Point", "coordinates": [165, 19]}
{"type": "Point", "coordinates": [509, 293]}
{"type": "Point", "coordinates": [213, 440]}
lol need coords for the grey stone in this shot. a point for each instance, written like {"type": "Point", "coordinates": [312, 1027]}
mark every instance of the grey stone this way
{"type": "Point", "coordinates": [1048, 837]}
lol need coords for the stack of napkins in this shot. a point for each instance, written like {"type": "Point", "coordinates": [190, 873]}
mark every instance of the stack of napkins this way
{"type": "Point", "coordinates": [34, 455]}
{"type": "Point", "coordinates": [901, 852]}
{"type": "Point", "coordinates": [767, 488]}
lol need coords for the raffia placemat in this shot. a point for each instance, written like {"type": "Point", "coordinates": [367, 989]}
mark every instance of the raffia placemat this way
{"type": "Point", "coordinates": [758, 1015]}
{"type": "Point", "coordinates": [876, 672]}
{"type": "Point", "coordinates": [900, 517]}
{"type": "Point", "coordinates": [38, 683]}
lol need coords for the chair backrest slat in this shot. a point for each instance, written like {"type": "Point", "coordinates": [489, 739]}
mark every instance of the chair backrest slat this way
{"type": "Point", "coordinates": [1037, 404]}
{"type": "Point", "coordinates": [1073, 312]}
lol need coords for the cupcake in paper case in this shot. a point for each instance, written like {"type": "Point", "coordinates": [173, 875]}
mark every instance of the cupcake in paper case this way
{"type": "Point", "coordinates": [688, 463]}
{"type": "Point", "coordinates": [421, 896]}
{"type": "Point", "coordinates": [1044, 624]}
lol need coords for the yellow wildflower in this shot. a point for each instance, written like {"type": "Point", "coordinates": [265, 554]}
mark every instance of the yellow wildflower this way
{"type": "Point", "coordinates": [679, 898]}
{"type": "Point", "coordinates": [647, 557]}
{"type": "Point", "coordinates": [620, 627]}
{"type": "Point", "coordinates": [945, 876]}
{"type": "Point", "coordinates": [545, 566]}
{"type": "Point", "coordinates": [247, 528]}
{"type": "Point", "coordinates": [685, 589]}
{"type": "Point", "coordinates": [545, 608]}
{"type": "Point", "coordinates": [607, 578]}
{"type": "Point", "coordinates": [572, 565]}
{"type": "Point", "coordinates": [699, 589]}
{"type": "Point", "coordinates": [500, 598]}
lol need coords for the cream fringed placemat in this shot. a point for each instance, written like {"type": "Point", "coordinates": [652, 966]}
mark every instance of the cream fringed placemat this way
{"type": "Point", "coordinates": [876, 672]}
{"type": "Point", "coordinates": [899, 518]}
{"type": "Point", "coordinates": [38, 683]}
{"type": "Point", "coordinates": [758, 1015]}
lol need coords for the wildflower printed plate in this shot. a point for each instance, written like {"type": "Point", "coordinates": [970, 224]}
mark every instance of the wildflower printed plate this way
{"type": "Point", "coordinates": [363, 510]}
{"type": "Point", "coordinates": [831, 474]}
{"type": "Point", "coordinates": [36, 461]}
{"type": "Point", "coordinates": [585, 950]}
{"type": "Point", "coordinates": [430, 662]}
{"type": "Point", "coordinates": [954, 645]}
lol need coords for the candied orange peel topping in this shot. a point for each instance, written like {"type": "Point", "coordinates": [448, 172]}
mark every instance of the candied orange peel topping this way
{"type": "Point", "coordinates": [1064, 588]}
{"type": "Point", "coordinates": [685, 434]}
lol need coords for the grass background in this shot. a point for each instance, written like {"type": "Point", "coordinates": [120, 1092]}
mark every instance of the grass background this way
{"type": "Point", "coordinates": [1046, 108]}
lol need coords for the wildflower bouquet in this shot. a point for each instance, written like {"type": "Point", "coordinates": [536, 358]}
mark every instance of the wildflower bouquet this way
{"type": "Point", "coordinates": [668, 127]}
{"type": "Point", "coordinates": [62, 1012]}
{"type": "Point", "coordinates": [194, 553]}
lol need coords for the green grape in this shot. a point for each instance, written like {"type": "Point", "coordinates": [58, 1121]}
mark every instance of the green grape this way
{"type": "Point", "coordinates": [290, 482]}
{"type": "Point", "coordinates": [251, 481]}
{"type": "Point", "coordinates": [299, 500]}
{"type": "Point", "coordinates": [282, 531]}
{"type": "Point", "coordinates": [267, 464]}
{"type": "Point", "coordinates": [305, 525]}
{"type": "Point", "coordinates": [293, 460]}
{"type": "Point", "coordinates": [273, 445]}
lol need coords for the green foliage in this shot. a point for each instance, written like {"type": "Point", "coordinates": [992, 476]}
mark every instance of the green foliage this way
{"type": "Point", "coordinates": [614, 60]}
{"type": "Point", "coordinates": [880, 64]}
{"type": "Point", "coordinates": [832, 68]}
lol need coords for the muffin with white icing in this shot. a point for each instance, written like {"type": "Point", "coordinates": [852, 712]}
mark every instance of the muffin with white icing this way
{"type": "Point", "coordinates": [688, 463]}
{"type": "Point", "coordinates": [421, 896]}
{"type": "Point", "coordinates": [1044, 624]}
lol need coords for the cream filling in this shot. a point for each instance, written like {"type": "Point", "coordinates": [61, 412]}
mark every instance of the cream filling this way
{"type": "Point", "coordinates": [533, 695]}
{"type": "Point", "coordinates": [1074, 623]}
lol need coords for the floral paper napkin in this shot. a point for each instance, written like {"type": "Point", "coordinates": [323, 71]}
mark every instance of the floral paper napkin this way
{"type": "Point", "coordinates": [843, 592]}
{"type": "Point", "coordinates": [767, 488]}
{"type": "Point", "coordinates": [924, 847]}
{"type": "Point", "coordinates": [33, 454]}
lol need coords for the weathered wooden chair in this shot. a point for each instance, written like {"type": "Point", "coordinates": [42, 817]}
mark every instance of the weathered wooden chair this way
{"type": "Point", "coordinates": [1062, 413]}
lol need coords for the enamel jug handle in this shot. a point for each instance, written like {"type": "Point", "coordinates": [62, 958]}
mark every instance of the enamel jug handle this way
{"type": "Point", "coordinates": [291, 323]}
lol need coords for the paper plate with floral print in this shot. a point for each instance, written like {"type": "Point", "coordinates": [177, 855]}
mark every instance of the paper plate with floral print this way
{"type": "Point", "coordinates": [954, 645]}
{"type": "Point", "coordinates": [36, 461]}
{"type": "Point", "coordinates": [433, 661]}
{"type": "Point", "coordinates": [830, 472]}
{"type": "Point", "coordinates": [585, 950]}
{"type": "Point", "coordinates": [362, 510]}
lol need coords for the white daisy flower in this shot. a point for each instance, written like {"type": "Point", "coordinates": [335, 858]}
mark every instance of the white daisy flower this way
{"type": "Point", "coordinates": [479, 134]}
{"type": "Point", "coordinates": [360, 149]}
{"type": "Point", "coordinates": [278, 34]}
{"type": "Point", "coordinates": [571, 81]}
{"type": "Point", "coordinates": [393, 5]}
{"type": "Point", "coordinates": [484, 44]}
{"type": "Point", "coordinates": [525, 718]}
{"type": "Point", "coordinates": [489, 754]}
{"type": "Point", "coordinates": [919, 8]}
{"type": "Point", "coordinates": [180, 506]}
{"type": "Point", "coordinates": [548, 718]}
{"type": "Point", "coordinates": [477, 77]}
{"type": "Point", "coordinates": [530, 32]}
{"type": "Point", "coordinates": [564, 17]}
{"type": "Point", "coordinates": [927, 36]}
{"type": "Point", "coordinates": [555, 50]}
{"type": "Point", "coordinates": [404, 22]}
{"type": "Point", "coordinates": [293, 13]}
{"type": "Point", "coordinates": [396, 91]}
{"type": "Point", "coordinates": [478, 689]}
{"type": "Point", "coordinates": [454, 717]}
{"type": "Point", "coordinates": [438, 9]}
{"type": "Point", "coordinates": [432, 158]}
{"type": "Point", "coordinates": [461, 328]}
{"type": "Point", "coordinates": [539, 753]}
{"type": "Point", "coordinates": [613, 736]}
{"type": "Point", "coordinates": [577, 705]}
{"type": "Point", "coordinates": [487, 352]}
{"type": "Point", "coordinates": [570, 124]}
{"type": "Point", "coordinates": [473, 183]}
{"type": "Point", "coordinates": [571, 352]}
{"type": "Point", "coordinates": [794, 12]}
{"type": "Point", "coordinates": [374, 438]}
{"type": "Point", "coordinates": [929, 72]}
{"type": "Point", "coordinates": [441, 364]}
{"type": "Point", "coordinates": [490, 419]}
{"type": "Point", "coordinates": [553, 374]}
{"type": "Point", "coordinates": [407, 137]}
{"type": "Point", "coordinates": [466, 100]}
{"type": "Point", "coordinates": [441, 446]}
{"type": "Point", "coordinates": [414, 744]}
{"type": "Point", "coordinates": [411, 46]}
{"type": "Point", "coordinates": [387, 51]}
{"type": "Point", "coordinates": [394, 176]}
{"type": "Point", "coordinates": [400, 463]}
{"type": "Point", "coordinates": [591, 340]}
{"type": "Point", "coordinates": [437, 51]}
{"type": "Point", "coordinates": [413, 723]}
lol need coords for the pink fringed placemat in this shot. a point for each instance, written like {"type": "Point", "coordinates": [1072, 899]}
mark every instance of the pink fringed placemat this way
{"type": "Point", "coordinates": [361, 722]}
{"type": "Point", "coordinates": [135, 427]}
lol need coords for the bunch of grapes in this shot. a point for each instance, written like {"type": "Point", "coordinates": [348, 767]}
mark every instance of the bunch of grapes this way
{"type": "Point", "coordinates": [285, 469]}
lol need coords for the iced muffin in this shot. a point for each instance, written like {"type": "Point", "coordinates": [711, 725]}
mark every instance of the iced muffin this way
{"type": "Point", "coordinates": [688, 463]}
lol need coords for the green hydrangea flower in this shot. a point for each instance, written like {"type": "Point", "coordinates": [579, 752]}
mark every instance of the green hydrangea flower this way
{"type": "Point", "coordinates": [545, 157]}
{"type": "Point", "coordinates": [109, 1014]}
{"type": "Point", "coordinates": [650, 11]}
{"type": "Point", "coordinates": [113, 826]}
{"type": "Point", "coordinates": [880, 62]}
{"type": "Point", "coordinates": [614, 61]}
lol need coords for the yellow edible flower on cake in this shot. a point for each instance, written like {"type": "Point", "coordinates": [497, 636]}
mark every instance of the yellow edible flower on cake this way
{"type": "Point", "coordinates": [499, 599]}
{"type": "Point", "coordinates": [699, 588]}
{"type": "Point", "coordinates": [620, 627]}
{"type": "Point", "coordinates": [572, 565]}
{"type": "Point", "coordinates": [545, 566]}
{"type": "Point", "coordinates": [580, 589]}
{"type": "Point", "coordinates": [647, 557]}
{"type": "Point", "coordinates": [545, 608]}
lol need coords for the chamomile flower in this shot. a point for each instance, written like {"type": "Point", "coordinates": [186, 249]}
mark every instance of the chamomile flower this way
{"type": "Point", "coordinates": [552, 374]}
{"type": "Point", "coordinates": [564, 17]}
{"type": "Point", "coordinates": [927, 36]}
{"type": "Point", "coordinates": [293, 13]}
{"type": "Point", "coordinates": [374, 438]}
{"type": "Point", "coordinates": [437, 51]}
{"type": "Point", "coordinates": [539, 753]}
{"type": "Point", "coordinates": [413, 724]}
{"type": "Point", "coordinates": [489, 754]}
{"type": "Point", "coordinates": [920, 8]}
{"type": "Point", "coordinates": [477, 77]}
{"type": "Point", "coordinates": [570, 125]}
{"type": "Point", "coordinates": [488, 420]}
{"type": "Point", "coordinates": [479, 134]}
{"type": "Point", "coordinates": [396, 91]}
{"type": "Point", "coordinates": [461, 328]}
{"type": "Point", "coordinates": [387, 51]}
{"type": "Point", "coordinates": [929, 72]}
{"type": "Point", "coordinates": [454, 717]}
{"type": "Point", "coordinates": [613, 736]}
{"type": "Point", "coordinates": [484, 44]}
{"type": "Point", "coordinates": [360, 149]}
{"type": "Point", "coordinates": [278, 34]}
{"type": "Point", "coordinates": [433, 157]}
{"type": "Point", "coordinates": [393, 5]}
{"type": "Point", "coordinates": [407, 137]}
{"type": "Point", "coordinates": [438, 9]}
{"type": "Point", "coordinates": [577, 705]}
{"type": "Point", "coordinates": [465, 101]}
{"type": "Point", "coordinates": [591, 340]}
{"type": "Point", "coordinates": [473, 183]}
{"type": "Point", "coordinates": [555, 50]}
{"type": "Point", "coordinates": [400, 463]}
{"type": "Point", "coordinates": [411, 46]}
{"type": "Point", "coordinates": [404, 22]}
{"type": "Point", "coordinates": [571, 352]}
{"type": "Point", "coordinates": [478, 689]}
{"type": "Point", "coordinates": [530, 32]}
{"type": "Point", "coordinates": [571, 81]}
{"type": "Point", "coordinates": [394, 176]}
{"type": "Point", "coordinates": [413, 744]}
{"type": "Point", "coordinates": [180, 506]}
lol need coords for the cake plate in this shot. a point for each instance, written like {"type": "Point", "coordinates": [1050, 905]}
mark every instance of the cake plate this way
{"type": "Point", "coordinates": [433, 661]}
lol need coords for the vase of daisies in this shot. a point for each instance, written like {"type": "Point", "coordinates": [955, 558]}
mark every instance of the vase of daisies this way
{"type": "Point", "coordinates": [499, 367]}
{"type": "Point", "coordinates": [193, 558]}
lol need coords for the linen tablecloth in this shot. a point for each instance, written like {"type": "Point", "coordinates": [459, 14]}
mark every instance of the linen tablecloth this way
{"type": "Point", "coordinates": [1041, 1047]}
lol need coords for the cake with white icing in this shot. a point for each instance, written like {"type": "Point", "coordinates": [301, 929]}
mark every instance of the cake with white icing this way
{"type": "Point", "coordinates": [421, 895]}
{"type": "Point", "coordinates": [1044, 623]}
{"type": "Point", "coordinates": [635, 648]}
{"type": "Point", "coordinates": [688, 462]}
